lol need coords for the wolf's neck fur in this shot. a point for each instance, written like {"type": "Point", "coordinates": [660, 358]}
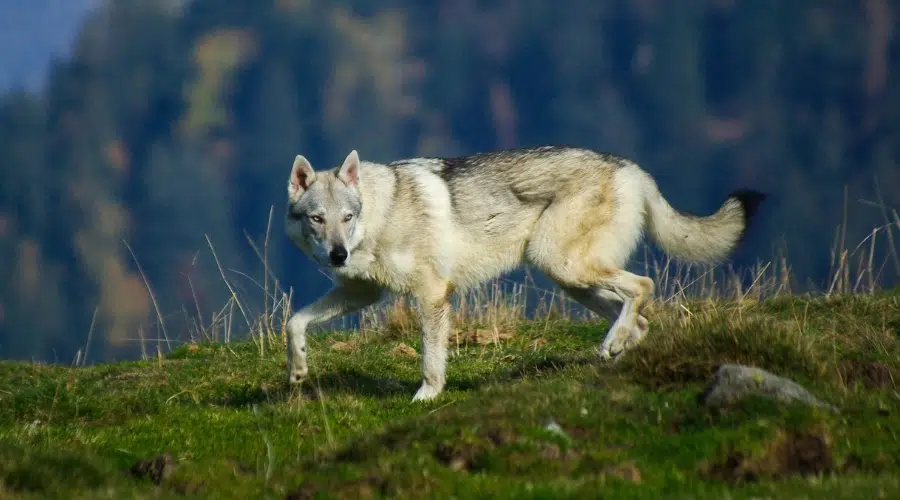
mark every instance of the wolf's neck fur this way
{"type": "Point", "coordinates": [376, 186]}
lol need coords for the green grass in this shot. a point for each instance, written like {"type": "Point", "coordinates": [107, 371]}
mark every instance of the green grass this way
{"type": "Point", "coordinates": [633, 429]}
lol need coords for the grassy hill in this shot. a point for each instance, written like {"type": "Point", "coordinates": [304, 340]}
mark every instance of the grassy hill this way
{"type": "Point", "coordinates": [528, 413]}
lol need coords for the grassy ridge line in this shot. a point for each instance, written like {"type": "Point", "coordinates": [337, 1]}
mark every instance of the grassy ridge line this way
{"type": "Point", "coordinates": [634, 429]}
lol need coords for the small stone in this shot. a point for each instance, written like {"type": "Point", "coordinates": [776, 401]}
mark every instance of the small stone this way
{"type": "Point", "coordinates": [555, 428]}
{"type": "Point", "coordinates": [734, 382]}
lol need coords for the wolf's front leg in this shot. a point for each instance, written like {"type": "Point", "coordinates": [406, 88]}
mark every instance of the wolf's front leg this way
{"type": "Point", "coordinates": [434, 310]}
{"type": "Point", "coordinates": [346, 297]}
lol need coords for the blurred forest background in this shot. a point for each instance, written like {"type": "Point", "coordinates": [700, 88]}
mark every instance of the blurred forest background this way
{"type": "Point", "coordinates": [170, 120]}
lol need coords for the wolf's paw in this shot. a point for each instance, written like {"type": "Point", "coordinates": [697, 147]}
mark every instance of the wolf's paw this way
{"type": "Point", "coordinates": [637, 336]}
{"type": "Point", "coordinates": [297, 375]}
{"type": "Point", "coordinates": [617, 341]}
{"type": "Point", "coordinates": [426, 393]}
{"type": "Point", "coordinates": [607, 354]}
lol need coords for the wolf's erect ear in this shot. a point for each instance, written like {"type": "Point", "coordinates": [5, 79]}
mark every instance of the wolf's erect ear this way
{"type": "Point", "coordinates": [302, 175]}
{"type": "Point", "coordinates": [349, 171]}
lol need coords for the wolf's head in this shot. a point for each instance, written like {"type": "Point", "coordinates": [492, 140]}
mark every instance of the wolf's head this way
{"type": "Point", "coordinates": [323, 210]}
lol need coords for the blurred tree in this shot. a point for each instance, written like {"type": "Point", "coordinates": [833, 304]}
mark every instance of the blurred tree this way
{"type": "Point", "coordinates": [176, 120]}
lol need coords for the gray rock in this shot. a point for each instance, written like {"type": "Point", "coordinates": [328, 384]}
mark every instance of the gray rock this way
{"type": "Point", "coordinates": [556, 429]}
{"type": "Point", "coordinates": [734, 382]}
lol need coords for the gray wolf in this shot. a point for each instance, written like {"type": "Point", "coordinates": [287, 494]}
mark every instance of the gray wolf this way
{"type": "Point", "coordinates": [428, 227]}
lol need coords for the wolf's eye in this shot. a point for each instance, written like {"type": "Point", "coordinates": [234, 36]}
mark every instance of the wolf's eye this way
{"type": "Point", "coordinates": [348, 217]}
{"type": "Point", "coordinates": [317, 219]}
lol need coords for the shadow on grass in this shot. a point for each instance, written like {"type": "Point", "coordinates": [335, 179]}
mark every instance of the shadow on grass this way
{"type": "Point", "coordinates": [527, 369]}
{"type": "Point", "coordinates": [355, 381]}
{"type": "Point", "coordinates": [26, 471]}
{"type": "Point", "coordinates": [358, 382]}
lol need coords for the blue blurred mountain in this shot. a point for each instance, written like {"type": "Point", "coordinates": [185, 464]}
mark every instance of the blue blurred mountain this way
{"type": "Point", "coordinates": [33, 33]}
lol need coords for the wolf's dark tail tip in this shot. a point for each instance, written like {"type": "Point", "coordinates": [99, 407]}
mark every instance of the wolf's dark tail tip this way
{"type": "Point", "coordinates": [750, 201]}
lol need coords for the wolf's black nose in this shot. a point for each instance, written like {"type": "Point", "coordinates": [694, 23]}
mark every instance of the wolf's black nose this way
{"type": "Point", "coordinates": [338, 255]}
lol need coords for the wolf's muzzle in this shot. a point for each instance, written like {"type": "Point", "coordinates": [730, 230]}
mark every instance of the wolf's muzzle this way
{"type": "Point", "coordinates": [338, 256]}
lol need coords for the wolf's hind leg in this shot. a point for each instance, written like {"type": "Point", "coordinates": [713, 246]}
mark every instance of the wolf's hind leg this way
{"type": "Point", "coordinates": [608, 305]}
{"type": "Point", "coordinates": [582, 241]}
{"type": "Point", "coordinates": [630, 327]}
{"type": "Point", "coordinates": [643, 325]}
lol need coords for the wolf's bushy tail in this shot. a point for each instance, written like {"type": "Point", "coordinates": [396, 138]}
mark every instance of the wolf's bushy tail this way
{"type": "Point", "coordinates": [694, 238]}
